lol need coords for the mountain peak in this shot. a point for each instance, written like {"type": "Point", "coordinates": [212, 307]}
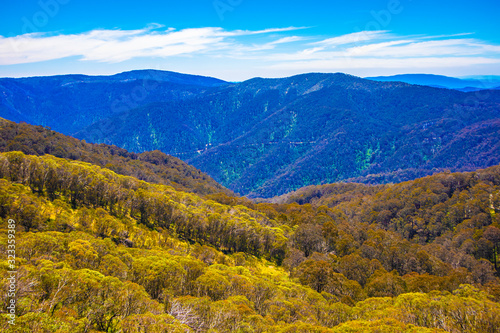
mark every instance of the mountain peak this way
{"type": "Point", "coordinates": [168, 76]}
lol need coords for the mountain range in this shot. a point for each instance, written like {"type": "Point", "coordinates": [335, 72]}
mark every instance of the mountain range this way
{"type": "Point", "coordinates": [68, 103]}
{"type": "Point", "coordinates": [266, 137]}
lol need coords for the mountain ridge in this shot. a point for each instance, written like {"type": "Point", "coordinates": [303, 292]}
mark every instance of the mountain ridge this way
{"type": "Point", "coordinates": [138, 74]}
{"type": "Point", "coordinates": [101, 251]}
{"type": "Point", "coordinates": [154, 166]}
{"type": "Point", "coordinates": [76, 101]}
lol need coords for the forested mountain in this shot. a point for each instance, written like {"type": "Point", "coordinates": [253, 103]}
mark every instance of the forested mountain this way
{"type": "Point", "coordinates": [154, 167]}
{"type": "Point", "coordinates": [68, 103]}
{"type": "Point", "coordinates": [103, 252]}
{"type": "Point", "coordinates": [265, 137]}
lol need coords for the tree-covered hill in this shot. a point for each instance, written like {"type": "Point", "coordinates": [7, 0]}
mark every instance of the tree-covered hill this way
{"type": "Point", "coordinates": [97, 251]}
{"type": "Point", "coordinates": [154, 167]}
{"type": "Point", "coordinates": [454, 215]}
{"type": "Point", "coordinates": [266, 137]}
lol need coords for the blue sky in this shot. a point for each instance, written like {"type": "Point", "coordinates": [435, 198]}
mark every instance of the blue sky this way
{"type": "Point", "coordinates": [240, 39]}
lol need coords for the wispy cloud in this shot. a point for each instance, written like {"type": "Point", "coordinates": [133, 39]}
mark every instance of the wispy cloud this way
{"type": "Point", "coordinates": [121, 45]}
{"type": "Point", "coordinates": [384, 50]}
{"type": "Point", "coordinates": [353, 38]}
{"type": "Point", "coordinates": [277, 48]}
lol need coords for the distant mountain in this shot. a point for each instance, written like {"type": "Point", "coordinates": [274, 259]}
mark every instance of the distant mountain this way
{"type": "Point", "coordinates": [439, 81]}
{"type": "Point", "coordinates": [69, 103]}
{"type": "Point", "coordinates": [265, 137]}
{"type": "Point", "coordinates": [166, 76]}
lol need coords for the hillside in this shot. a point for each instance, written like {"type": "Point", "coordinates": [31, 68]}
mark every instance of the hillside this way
{"type": "Point", "coordinates": [68, 103]}
{"type": "Point", "coordinates": [97, 251]}
{"type": "Point", "coordinates": [266, 137]}
{"type": "Point", "coordinates": [155, 166]}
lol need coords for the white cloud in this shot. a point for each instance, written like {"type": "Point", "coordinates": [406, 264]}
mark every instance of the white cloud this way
{"type": "Point", "coordinates": [354, 38]}
{"type": "Point", "coordinates": [121, 45]}
{"type": "Point", "coordinates": [256, 51]}
{"type": "Point", "coordinates": [290, 39]}
{"type": "Point", "coordinates": [409, 48]}
{"type": "Point", "coordinates": [383, 50]}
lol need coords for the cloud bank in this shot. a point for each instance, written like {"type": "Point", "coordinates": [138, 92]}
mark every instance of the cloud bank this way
{"type": "Point", "coordinates": [280, 49]}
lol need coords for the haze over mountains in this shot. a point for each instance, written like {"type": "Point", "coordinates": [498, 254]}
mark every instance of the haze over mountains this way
{"type": "Point", "coordinates": [440, 81]}
{"type": "Point", "coordinates": [265, 137]}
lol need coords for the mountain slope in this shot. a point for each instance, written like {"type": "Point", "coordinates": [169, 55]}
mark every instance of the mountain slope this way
{"type": "Point", "coordinates": [101, 251]}
{"type": "Point", "coordinates": [68, 103]}
{"type": "Point", "coordinates": [155, 166]}
{"type": "Point", "coordinates": [265, 137]}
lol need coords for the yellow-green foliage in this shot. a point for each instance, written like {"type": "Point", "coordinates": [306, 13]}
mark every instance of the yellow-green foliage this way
{"type": "Point", "coordinates": [100, 252]}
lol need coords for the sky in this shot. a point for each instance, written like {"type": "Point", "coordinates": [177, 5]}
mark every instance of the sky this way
{"type": "Point", "coordinates": [235, 40]}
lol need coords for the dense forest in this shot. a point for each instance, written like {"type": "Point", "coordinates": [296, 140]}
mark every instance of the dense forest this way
{"type": "Point", "coordinates": [99, 250]}
{"type": "Point", "coordinates": [155, 166]}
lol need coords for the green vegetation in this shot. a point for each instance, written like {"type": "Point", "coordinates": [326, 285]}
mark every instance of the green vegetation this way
{"type": "Point", "coordinates": [98, 251]}
{"type": "Point", "coordinates": [154, 167]}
